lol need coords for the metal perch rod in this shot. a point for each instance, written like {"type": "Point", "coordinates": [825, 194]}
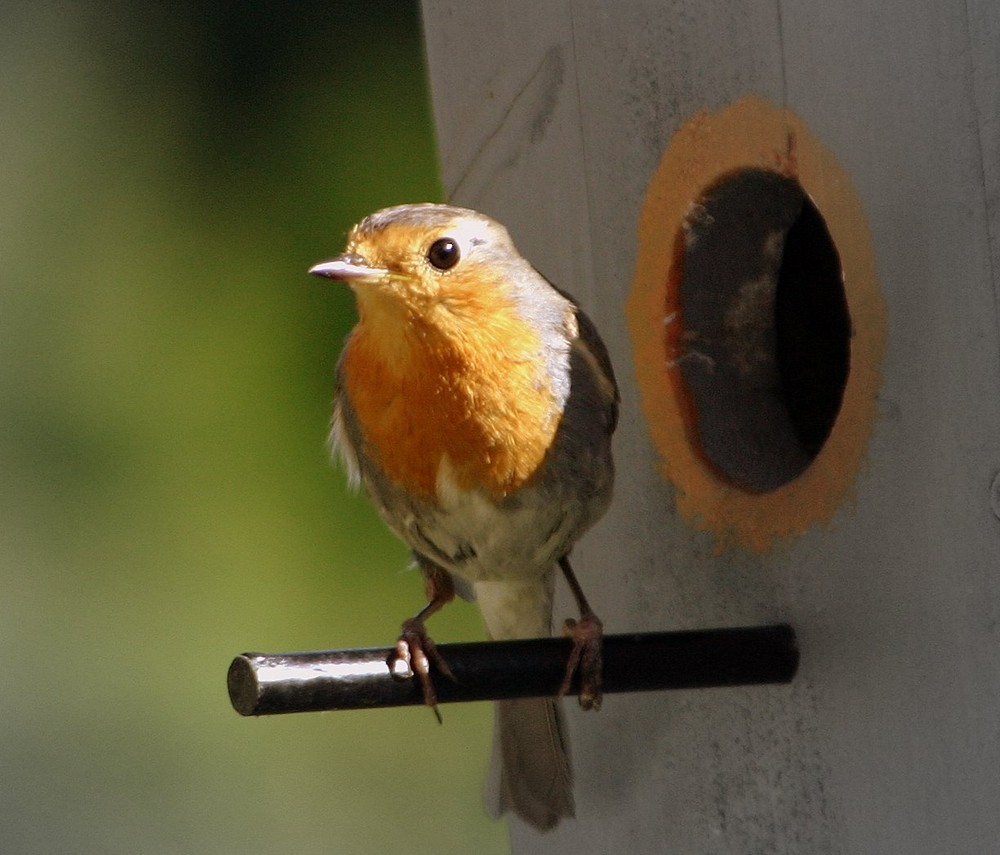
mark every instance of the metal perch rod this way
{"type": "Point", "coordinates": [272, 683]}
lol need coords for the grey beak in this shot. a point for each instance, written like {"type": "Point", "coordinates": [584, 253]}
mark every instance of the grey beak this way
{"type": "Point", "coordinates": [348, 268]}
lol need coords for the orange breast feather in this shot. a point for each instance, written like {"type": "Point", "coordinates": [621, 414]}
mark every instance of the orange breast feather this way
{"type": "Point", "coordinates": [475, 397]}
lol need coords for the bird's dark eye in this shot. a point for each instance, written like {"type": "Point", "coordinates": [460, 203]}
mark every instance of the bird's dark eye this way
{"type": "Point", "coordinates": [443, 253]}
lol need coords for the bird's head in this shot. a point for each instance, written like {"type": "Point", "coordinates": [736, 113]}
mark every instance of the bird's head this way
{"type": "Point", "coordinates": [434, 265]}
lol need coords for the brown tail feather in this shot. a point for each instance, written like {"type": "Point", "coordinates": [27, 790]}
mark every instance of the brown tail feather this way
{"type": "Point", "coordinates": [530, 772]}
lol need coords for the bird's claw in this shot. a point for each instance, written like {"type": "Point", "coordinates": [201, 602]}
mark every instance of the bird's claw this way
{"type": "Point", "coordinates": [413, 655]}
{"type": "Point", "coordinates": [587, 658]}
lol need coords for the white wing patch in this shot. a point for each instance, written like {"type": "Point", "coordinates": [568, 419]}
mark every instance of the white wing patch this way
{"type": "Point", "coordinates": [341, 446]}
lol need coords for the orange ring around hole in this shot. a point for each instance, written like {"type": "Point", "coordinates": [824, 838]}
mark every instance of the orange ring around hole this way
{"type": "Point", "coordinates": [750, 133]}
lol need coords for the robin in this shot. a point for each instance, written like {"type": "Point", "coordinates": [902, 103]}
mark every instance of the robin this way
{"type": "Point", "coordinates": [475, 404]}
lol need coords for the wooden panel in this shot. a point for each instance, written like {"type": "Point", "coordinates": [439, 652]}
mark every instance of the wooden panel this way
{"type": "Point", "coordinates": [554, 120]}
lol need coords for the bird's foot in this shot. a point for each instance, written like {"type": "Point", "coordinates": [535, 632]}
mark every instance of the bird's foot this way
{"type": "Point", "coordinates": [413, 655]}
{"type": "Point", "coordinates": [587, 658]}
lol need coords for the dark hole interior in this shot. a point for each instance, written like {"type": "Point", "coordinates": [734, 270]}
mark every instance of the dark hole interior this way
{"type": "Point", "coordinates": [765, 329]}
{"type": "Point", "coordinates": [812, 329]}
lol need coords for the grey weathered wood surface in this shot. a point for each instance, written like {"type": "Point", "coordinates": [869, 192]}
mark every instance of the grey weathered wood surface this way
{"type": "Point", "coordinates": [552, 117]}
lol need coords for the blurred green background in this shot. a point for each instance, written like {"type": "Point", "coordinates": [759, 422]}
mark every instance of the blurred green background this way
{"type": "Point", "coordinates": [168, 174]}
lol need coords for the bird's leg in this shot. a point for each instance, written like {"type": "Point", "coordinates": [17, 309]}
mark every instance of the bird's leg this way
{"type": "Point", "coordinates": [587, 634]}
{"type": "Point", "coordinates": [415, 651]}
